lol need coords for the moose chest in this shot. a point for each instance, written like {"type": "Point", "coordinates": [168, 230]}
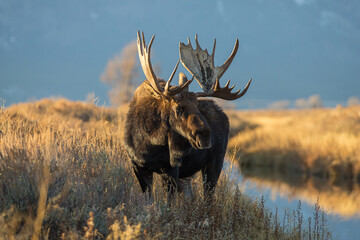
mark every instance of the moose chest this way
{"type": "Point", "coordinates": [157, 153]}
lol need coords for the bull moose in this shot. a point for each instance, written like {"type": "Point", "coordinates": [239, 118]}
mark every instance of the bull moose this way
{"type": "Point", "coordinates": [174, 132]}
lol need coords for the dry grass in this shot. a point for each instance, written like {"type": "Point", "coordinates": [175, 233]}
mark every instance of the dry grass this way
{"type": "Point", "coordinates": [321, 142]}
{"type": "Point", "coordinates": [64, 175]}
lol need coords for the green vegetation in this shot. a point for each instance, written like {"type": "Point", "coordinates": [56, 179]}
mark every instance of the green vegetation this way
{"type": "Point", "coordinates": [64, 174]}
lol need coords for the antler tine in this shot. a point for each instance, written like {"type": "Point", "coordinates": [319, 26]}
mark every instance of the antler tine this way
{"type": "Point", "coordinates": [173, 73]}
{"type": "Point", "coordinates": [225, 92]}
{"type": "Point", "coordinates": [176, 89]}
{"type": "Point", "coordinates": [228, 61]}
{"type": "Point", "coordinates": [245, 89]}
{"type": "Point", "coordinates": [227, 84]}
{"type": "Point", "coordinates": [143, 40]}
{"type": "Point", "coordinates": [170, 91]}
{"type": "Point", "coordinates": [144, 56]}
{"type": "Point", "coordinates": [166, 91]}
{"type": "Point", "coordinates": [139, 45]}
{"type": "Point", "coordinates": [213, 52]}
{"type": "Point", "coordinates": [197, 43]}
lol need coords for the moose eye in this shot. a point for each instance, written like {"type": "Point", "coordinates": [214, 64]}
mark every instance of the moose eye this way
{"type": "Point", "coordinates": [179, 110]}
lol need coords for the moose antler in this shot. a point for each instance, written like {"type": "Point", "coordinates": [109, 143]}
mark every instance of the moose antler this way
{"type": "Point", "coordinates": [201, 65]}
{"type": "Point", "coordinates": [225, 92]}
{"type": "Point", "coordinates": [144, 56]}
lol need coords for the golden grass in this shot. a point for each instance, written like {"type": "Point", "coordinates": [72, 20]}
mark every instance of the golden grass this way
{"type": "Point", "coordinates": [64, 174]}
{"type": "Point", "coordinates": [322, 142]}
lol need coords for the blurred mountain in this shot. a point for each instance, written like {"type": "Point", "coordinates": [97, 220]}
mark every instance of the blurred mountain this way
{"type": "Point", "coordinates": [291, 48]}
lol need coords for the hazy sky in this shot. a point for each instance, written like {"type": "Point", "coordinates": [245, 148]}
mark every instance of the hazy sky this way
{"type": "Point", "coordinates": [291, 48]}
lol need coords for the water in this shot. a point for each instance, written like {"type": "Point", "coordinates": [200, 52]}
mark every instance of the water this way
{"type": "Point", "coordinates": [340, 203]}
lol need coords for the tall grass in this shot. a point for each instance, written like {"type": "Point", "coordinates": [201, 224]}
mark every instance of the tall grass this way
{"type": "Point", "coordinates": [321, 142]}
{"type": "Point", "coordinates": [64, 175]}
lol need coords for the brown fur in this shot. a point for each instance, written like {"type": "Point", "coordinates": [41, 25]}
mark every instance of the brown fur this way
{"type": "Point", "coordinates": [175, 137]}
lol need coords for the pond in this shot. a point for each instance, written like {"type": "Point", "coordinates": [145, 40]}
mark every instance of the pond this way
{"type": "Point", "coordinates": [339, 200]}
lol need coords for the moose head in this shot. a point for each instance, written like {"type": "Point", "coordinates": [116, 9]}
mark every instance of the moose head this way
{"type": "Point", "coordinates": [185, 118]}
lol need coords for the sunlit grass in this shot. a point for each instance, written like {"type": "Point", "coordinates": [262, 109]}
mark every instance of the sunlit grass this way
{"type": "Point", "coordinates": [64, 174]}
{"type": "Point", "coordinates": [322, 142]}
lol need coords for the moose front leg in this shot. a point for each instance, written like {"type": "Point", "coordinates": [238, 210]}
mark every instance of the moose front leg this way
{"type": "Point", "coordinates": [210, 176]}
{"type": "Point", "coordinates": [145, 179]}
{"type": "Point", "coordinates": [185, 187]}
{"type": "Point", "coordinates": [170, 179]}
{"type": "Point", "coordinates": [173, 178]}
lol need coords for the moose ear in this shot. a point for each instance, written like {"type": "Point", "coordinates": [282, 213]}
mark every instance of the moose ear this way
{"type": "Point", "coordinates": [183, 79]}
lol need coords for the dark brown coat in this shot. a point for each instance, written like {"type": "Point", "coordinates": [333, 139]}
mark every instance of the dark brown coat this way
{"type": "Point", "coordinates": [157, 137]}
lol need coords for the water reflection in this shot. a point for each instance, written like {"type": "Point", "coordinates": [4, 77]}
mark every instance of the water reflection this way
{"type": "Point", "coordinates": [337, 197]}
{"type": "Point", "coordinates": [283, 190]}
